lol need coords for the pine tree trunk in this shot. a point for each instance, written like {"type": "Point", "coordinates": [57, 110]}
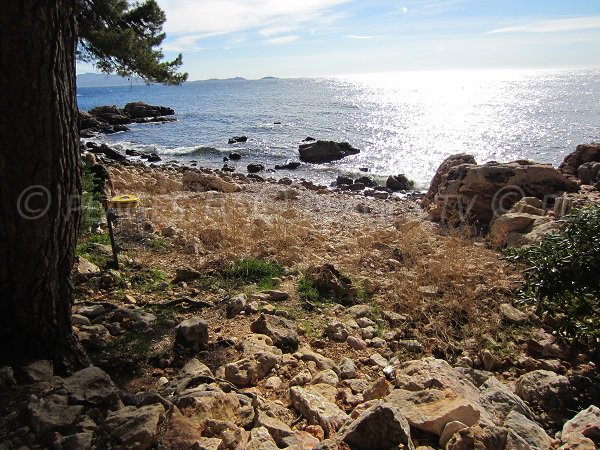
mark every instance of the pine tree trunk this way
{"type": "Point", "coordinates": [39, 180]}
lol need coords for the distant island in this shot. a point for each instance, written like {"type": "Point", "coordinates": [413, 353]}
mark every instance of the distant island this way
{"type": "Point", "coordinates": [102, 79]}
{"type": "Point", "coordinates": [107, 80]}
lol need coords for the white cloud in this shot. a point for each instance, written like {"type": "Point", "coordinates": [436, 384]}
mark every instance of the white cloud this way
{"type": "Point", "coordinates": [216, 17]}
{"type": "Point", "coordinates": [282, 39]}
{"type": "Point", "coordinates": [361, 37]}
{"type": "Point", "coordinates": [553, 26]}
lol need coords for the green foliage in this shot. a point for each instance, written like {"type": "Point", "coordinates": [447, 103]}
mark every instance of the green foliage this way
{"type": "Point", "coordinates": [93, 211]}
{"type": "Point", "coordinates": [257, 271]}
{"type": "Point", "coordinates": [307, 290]}
{"type": "Point", "coordinates": [132, 349]}
{"type": "Point", "coordinates": [123, 38]}
{"type": "Point", "coordinates": [562, 276]}
{"type": "Point", "coordinates": [158, 243]}
{"type": "Point", "coordinates": [86, 247]}
{"type": "Point", "coordinates": [148, 280]}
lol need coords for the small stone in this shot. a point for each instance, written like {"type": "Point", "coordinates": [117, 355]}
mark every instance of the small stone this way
{"type": "Point", "coordinates": [78, 319]}
{"type": "Point", "coordinates": [326, 377]}
{"type": "Point", "coordinates": [511, 314]}
{"type": "Point", "coordinates": [273, 383]}
{"type": "Point", "coordinates": [91, 312]}
{"type": "Point", "coordinates": [356, 343]}
{"type": "Point", "coordinates": [347, 368]}
{"type": "Point", "coordinates": [489, 361]}
{"type": "Point", "coordinates": [379, 389]}
{"type": "Point", "coordinates": [378, 360]}
{"type": "Point", "coordinates": [192, 333]}
{"type": "Point", "coordinates": [37, 371]}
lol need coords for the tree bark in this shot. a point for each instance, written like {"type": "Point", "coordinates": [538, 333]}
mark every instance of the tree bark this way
{"type": "Point", "coordinates": [40, 186]}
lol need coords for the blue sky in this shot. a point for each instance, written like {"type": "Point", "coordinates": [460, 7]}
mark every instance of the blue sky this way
{"type": "Point", "coordinates": [291, 38]}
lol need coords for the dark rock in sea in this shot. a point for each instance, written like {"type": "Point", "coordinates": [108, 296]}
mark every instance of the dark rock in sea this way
{"type": "Point", "coordinates": [255, 168]}
{"type": "Point", "coordinates": [399, 183]}
{"type": "Point", "coordinates": [235, 156]}
{"type": "Point", "coordinates": [326, 151]}
{"type": "Point", "coordinates": [288, 166]}
{"type": "Point", "coordinates": [255, 177]}
{"type": "Point", "coordinates": [357, 187]}
{"type": "Point", "coordinates": [368, 182]}
{"type": "Point", "coordinates": [364, 169]}
{"type": "Point", "coordinates": [111, 115]}
{"type": "Point", "coordinates": [139, 110]}
{"type": "Point", "coordinates": [117, 128]}
{"type": "Point", "coordinates": [309, 139]}
{"type": "Point", "coordinates": [342, 180]}
{"type": "Point", "coordinates": [153, 157]}
{"type": "Point", "coordinates": [110, 153]}
{"type": "Point", "coordinates": [276, 123]}
{"type": "Point", "coordinates": [228, 168]}
{"type": "Point", "coordinates": [238, 139]}
{"type": "Point", "coordinates": [131, 152]}
{"type": "Point", "coordinates": [225, 159]}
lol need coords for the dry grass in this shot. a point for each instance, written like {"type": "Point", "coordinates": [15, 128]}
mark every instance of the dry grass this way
{"type": "Point", "coordinates": [450, 286]}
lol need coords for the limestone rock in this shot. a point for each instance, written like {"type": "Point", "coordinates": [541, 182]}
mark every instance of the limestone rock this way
{"type": "Point", "coordinates": [530, 431]}
{"type": "Point", "coordinates": [93, 386]}
{"type": "Point", "coordinates": [49, 416]}
{"type": "Point", "coordinates": [282, 331]}
{"type": "Point", "coordinates": [480, 193]}
{"type": "Point", "coordinates": [585, 424]}
{"type": "Point", "coordinates": [380, 427]}
{"type": "Point", "coordinates": [399, 183]}
{"type": "Point", "coordinates": [583, 154]}
{"type": "Point", "coordinates": [432, 409]}
{"type": "Point", "coordinates": [331, 283]}
{"type": "Point", "coordinates": [192, 333]}
{"type": "Point", "coordinates": [198, 181]}
{"type": "Point", "coordinates": [135, 428]}
{"type": "Point", "coordinates": [442, 172]}
{"type": "Point", "coordinates": [317, 410]}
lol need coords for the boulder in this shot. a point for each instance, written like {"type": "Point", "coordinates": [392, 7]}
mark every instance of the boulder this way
{"type": "Point", "coordinates": [140, 110]}
{"type": "Point", "coordinates": [283, 332]}
{"type": "Point", "coordinates": [325, 151]}
{"type": "Point", "coordinates": [199, 181]}
{"type": "Point", "coordinates": [37, 371]}
{"type": "Point", "coordinates": [249, 371]}
{"type": "Point", "coordinates": [111, 115]}
{"type": "Point", "coordinates": [186, 274]}
{"type": "Point", "coordinates": [317, 410]}
{"type": "Point", "coordinates": [586, 424]}
{"type": "Point", "coordinates": [478, 194]}
{"type": "Point", "coordinates": [380, 427]}
{"type": "Point", "coordinates": [191, 372]}
{"type": "Point", "coordinates": [399, 183]}
{"type": "Point", "coordinates": [442, 172]}
{"type": "Point", "coordinates": [93, 386]}
{"type": "Point", "coordinates": [49, 416]}
{"type": "Point", "coordinates": [530, 431]}
{"type": "Point", "coordinates": [135, 428]}
{"type": "Point", "coordinates": [430, 410]}
{"type": "Point", "coordinates": [549, 394]}
{"type": "Point", "coordinates": [86, 269]}
{"type": "Point", "coordinates": [584, 153]}
{"type": "Point", "coordinates": [331, 283]}
{"type": "Point", "coordinates": [589, 173]}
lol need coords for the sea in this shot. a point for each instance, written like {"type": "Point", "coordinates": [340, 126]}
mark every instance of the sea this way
{"type": "Point", "coordinates": [405, 122]}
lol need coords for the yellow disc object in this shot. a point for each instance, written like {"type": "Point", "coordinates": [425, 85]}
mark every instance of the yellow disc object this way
{"type": "Point", "coordinates": [124, 201]}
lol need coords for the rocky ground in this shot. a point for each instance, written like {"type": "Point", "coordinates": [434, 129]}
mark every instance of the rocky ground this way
{"type": "Point", "coordinates": [254, 314]}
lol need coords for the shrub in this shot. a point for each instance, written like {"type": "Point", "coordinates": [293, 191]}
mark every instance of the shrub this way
{"type": "Point", "coordinates": [92, 210]}
{"type": "Point", "coordinates": [562, 279]}
{"type": "Point", "coordinates": [307, 290]}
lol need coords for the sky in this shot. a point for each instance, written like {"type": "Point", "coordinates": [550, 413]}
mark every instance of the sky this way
{"type": "Point", "coordinates": [297, 38]}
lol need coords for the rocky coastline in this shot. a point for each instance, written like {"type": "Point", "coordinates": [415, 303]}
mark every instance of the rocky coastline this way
{"type": "Point", "coordinates": [370, 321]}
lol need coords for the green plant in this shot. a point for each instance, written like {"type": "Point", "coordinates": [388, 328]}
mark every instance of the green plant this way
{"type": "Point", "coordinates": [92, 210]}
{"type": "Point", "coordinates": [158, 243]}
{"type": "Point", "coordinates": [86, 247]}
{"type": "Point", "coordinates": [260, 272]}
{"type": "Point", "coordinates": [307, 290]}
{"type": "Point", "coordinates": [561, 276]}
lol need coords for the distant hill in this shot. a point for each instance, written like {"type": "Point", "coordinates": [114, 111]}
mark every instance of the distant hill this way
{"type": "Point", "coordinates": [101, 79]}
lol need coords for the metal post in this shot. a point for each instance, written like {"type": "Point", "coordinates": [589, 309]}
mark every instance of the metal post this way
{"type": "Point", "coordinates": [110, 217]}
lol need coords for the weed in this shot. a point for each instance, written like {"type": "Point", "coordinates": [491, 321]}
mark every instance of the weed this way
{"type": "Point", "coordinates": [92, 210]}
{"type": "Point", "coordinates": [132, 347]}
{"type": "Point", "coordinates": [247, 271]}
{"type": "Point", "coordinates": [158, 244]}
{"type": "Point", "coordinates": [307, 290]}
{"type": "Point", "coordinates": [86, 247]}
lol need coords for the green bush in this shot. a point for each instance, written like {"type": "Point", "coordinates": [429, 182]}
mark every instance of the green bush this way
{"type": "Point", "coordinates": [562, 277]}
